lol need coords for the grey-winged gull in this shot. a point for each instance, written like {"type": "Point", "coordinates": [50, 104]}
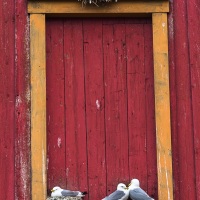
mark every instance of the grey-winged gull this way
{"type": "Point", "coordinates": [59, 192]}
{"type": "Point", "coordinates": [136, 193]}
{"type": "Point", "coordinates": [121, 193]}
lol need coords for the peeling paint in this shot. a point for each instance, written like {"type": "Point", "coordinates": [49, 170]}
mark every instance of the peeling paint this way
{"type": "Point", "coordinates": [23, 174]}
{"type": "Point", "coordinates": [28, 94]}
{"type": "Point", "coordinates": [167, 179]}
{"type": "Point", "coordinates": [27, 39]}
{"type": "Point", "coordinates": [18, 101]}
{"type": "Point", "coordinates": [43, 166]}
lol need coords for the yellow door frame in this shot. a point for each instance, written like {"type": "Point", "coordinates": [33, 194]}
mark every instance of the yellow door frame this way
{"type": "Point", "coordinates": [38, 11]}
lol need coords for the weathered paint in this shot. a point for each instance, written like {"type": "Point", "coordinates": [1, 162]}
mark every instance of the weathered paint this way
{"type": "Point", "coordinates": [160, 123]}
{"type": "Point", "coordinates": [76, 134]}
{"type": "Point", "coordinates": [56, 99]}
{"type": "Point", "coordinates": [184, 97]}
{"type": "Point", "coordinates": [162, 106]}
{"type": "Point", "coordinates": [99, 103]}
{"type": "Point", "coordinates": [115, 81]}
{"type": "Point", "coordinates": [174, 133]}
{"type": "Point", "coordinates": [95, 117]}
{"type": "Point", "coordinates": [194, 62]}
{"type": "Point", "coordinates": [126, 7]}
{"type": "Point", "coordinates": [136, 101]}
{"type": "Point", "coordinates": [22, 103]}
{"type": "Point", "coordinates": [7, 99]}
{"type": "Point", "coordinates": [186, 105]}
{"type": "Point", "coordinates": [38, 106]}
{"type": "Point", "coordinates": [150, 113]}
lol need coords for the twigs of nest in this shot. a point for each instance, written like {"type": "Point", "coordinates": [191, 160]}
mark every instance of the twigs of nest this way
{"type": "Point", "coordinates": [84, 2]}
{"type": "Point", "coordinates": [64, 198]}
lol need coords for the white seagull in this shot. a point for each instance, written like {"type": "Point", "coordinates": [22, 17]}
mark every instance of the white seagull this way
{"type": "Point", "coordinates": [121, 193]}
{"type": "Point", "coordinates": [136, 193]}
{"type": "Point", "coordinates": [59, 192]}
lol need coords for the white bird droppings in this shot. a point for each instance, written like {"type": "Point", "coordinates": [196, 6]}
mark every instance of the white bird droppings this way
{"type": "Point", "coordinates": [59, 142]}
{"type": "Point", "coordinates": [98, 104]}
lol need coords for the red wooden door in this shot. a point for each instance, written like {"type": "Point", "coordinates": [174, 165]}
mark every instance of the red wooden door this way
{"type": "Point", "coordinates": [100, 105]}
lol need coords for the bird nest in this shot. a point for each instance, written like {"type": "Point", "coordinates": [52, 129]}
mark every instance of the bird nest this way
{"type": "Point", "coordinates": [96, 2]}
{"type": "Point", "coordinates": [64, 198]}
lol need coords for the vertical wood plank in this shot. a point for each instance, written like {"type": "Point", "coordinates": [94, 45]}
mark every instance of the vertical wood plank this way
{"type": "Point", "coordinates": [22, 105]}
{"type": "Point", "coordinates": [56, 174]}
{"type": "Point", "coordinates": [162, 106]}
{"type": "Point", "coordinates": [93, 61]}
{"type": "Point", "coordinates": [7, 99]}
{"type": "Point", "coordinates": [185, 130]}
{"type": "Point", "coordinates": [177, 70]}
{"type": "Point", "coordinates": [136, 102]}
{"type": "Point", "coordinates": [76, 135]}
{"type": "Point", "coordinates": [38, 106]}
{"type": "Point", "coordinates": [194, 59]}
{"type": "Point", "coordinates": [173, 102]}
{"type": "Point", "coordinates": [114, 51]}
{"type": "Point", "coordinates": [150, 112]}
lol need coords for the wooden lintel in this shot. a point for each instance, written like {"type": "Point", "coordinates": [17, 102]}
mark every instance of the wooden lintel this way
{"type": "Point", "coordinates": [74, 8]}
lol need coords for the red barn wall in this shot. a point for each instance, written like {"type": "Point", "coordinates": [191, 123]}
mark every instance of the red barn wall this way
{"type": "Point", "coordinates": [184, 51]}
{"type": "Point", "coordinates": [14, 101]}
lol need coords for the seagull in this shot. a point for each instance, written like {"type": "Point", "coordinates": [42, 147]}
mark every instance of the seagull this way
{"type": "Point", "coordinates": [59, 192]}
{"type": "Point", "coordinates": [121, 193]}
{"type": "Point", "coordinates": [136, 193]}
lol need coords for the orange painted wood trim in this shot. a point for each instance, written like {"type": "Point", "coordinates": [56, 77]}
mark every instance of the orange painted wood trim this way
{"type": "Point", "coordinates": [162, 106]}
{"type": "Point", "coordinates": [38, 106]}
{"type": "Point", "coordinates": [76, 8]}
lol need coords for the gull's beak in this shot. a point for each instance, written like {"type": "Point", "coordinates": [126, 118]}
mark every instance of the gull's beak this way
{"type": "Point", "coordinates": [126, 188]}
{"type": "Point", "coordinates": [129, 184]}
{"type": "Point", "coordinates": [52, 190]}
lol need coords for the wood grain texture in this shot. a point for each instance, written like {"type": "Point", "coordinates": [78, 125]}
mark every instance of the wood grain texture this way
{"type": "Point", "coordinates": [150, 112]}
{"type": "Point", "coordinates": [194, 62]}
{"type": "Point", "coordinates": [136, 102]}
{"type": "Point", "coordinates": [38, 106]}
{"type": "Point", "coordinates": [76, 135]}
{"type": "Point", "coordinates": [173, 103]}
{"type": "Point", "coordinates": [22, 103]}
{"type": "Point", "coordinates": [116, 127]}
{"type": "Point", "coordinates": [162, 106]}
{"type": "Point", "coordinates": [96, 92]}
{"type": "Point", "coordinates": [185, 142]}
{"type": "Point", "coordinates": [95, 105]}
{"type": "Point", "coordinates": [184, 92]}
{"type": "Point", "coordinates": [55, 104]}
{"type": "Point", "coordinates": [76, 8]}
{"type": "Point", "coordinates": [7, 100]}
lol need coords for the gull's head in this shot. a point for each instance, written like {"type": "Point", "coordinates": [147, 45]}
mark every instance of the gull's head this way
{"type": "Point", "coordinates": [121, 186]}
{"type": "Point", "coordinates": [55, 189]}
{"type": "Point", "coordinates": [135, 183]}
